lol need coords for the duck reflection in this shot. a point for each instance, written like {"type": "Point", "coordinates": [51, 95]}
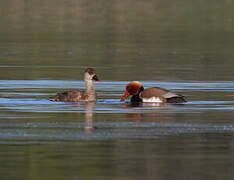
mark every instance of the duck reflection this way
{"type": "Point", "coordinates": [140, 116]}
{"type": "Point", "coordinates": [89, 106]}
{"type": "Point", "coordinates": [137, 104]}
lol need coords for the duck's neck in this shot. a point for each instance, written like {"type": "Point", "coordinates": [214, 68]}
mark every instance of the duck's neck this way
{"type": "Point", "coordinates": [136, 99]}
{"type": "Point", "coordinates": [89, 85]}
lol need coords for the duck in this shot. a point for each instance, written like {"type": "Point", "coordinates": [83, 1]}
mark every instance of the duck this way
{"type": "Point", "coordinates": [89, 94]}
{"type": "Point", "coordinates": [154, 94]}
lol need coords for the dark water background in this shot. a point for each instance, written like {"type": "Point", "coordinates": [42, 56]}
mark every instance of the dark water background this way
{"type": "Point", "coordinates": [183, 45]}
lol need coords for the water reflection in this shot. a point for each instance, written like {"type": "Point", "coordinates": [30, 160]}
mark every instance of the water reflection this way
{"type": "Point", "coordinates": [134, 39]}
{"type": "Point", "coordinates": [89, 116]}
{"type": "Point", "coordinates": [149, 117]}
{"type": "Point", "coordinates": [141, 116]}
{"type": "Point", "coordinates": [155, 104]}
{"type": "Point", "coordinates": [152, 135]}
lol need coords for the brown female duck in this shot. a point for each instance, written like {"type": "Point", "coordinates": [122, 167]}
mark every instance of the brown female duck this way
{"type": "Point", "coordinates": [89, 94]}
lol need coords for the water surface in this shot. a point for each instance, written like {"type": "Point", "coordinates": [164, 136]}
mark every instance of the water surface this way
{"type": "Point", "coordinates": [110, 132]}
{"type": "Point", "coordinates": [185, 46]}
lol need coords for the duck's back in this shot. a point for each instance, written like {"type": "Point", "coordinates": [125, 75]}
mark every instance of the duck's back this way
{"type": "Point", "coordinates": [160, 95]}
{"type": "Point", "coordinates": [154, 91]}
{"type": "Point", "coordinates": [74, 95]}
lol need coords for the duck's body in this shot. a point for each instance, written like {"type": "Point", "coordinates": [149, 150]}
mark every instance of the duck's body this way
{"type": "Point", "coordinates": [76, 95]}
{"type": "Point", "coordinates": [89, 94]}
{"type": "Point", "coordinates": [154, 94]}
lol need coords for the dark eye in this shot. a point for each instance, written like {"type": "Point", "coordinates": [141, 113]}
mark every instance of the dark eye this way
{"type": "Point", "coordinates": [141, 88]}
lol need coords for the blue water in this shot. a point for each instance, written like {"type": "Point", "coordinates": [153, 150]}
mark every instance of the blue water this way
{"type": "Point", "coordinates": [27, 114]}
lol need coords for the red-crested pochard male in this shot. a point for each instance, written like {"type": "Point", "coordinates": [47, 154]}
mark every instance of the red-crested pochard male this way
{"type": "Point", "coordinates": [89, 94]}
{"type": "Point", "coordinates": [154, 94]}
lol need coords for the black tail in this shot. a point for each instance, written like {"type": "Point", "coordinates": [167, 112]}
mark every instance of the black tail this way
{"type": "Point", "coordinates": [58, 97]}
{"type": "Point", "coordinates": [176, 99]}
{"type": "Point", "coordinates": [52, 98]}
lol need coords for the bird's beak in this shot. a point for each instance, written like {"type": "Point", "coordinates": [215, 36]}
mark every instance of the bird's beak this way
{"type": "Point", "coordinates": [125, 95]}
{"type": "Point", "coordinates": [95, 78]}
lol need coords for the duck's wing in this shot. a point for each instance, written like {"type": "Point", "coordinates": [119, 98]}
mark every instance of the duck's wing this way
{"type": "Point", "coordinates": [155, 92]}
{"type": "Point", "coordinates": [72, 95]}
{"type": "Point", "coordinates": [163, 94]}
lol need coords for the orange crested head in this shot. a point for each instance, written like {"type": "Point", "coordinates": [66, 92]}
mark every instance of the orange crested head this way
{"type": "Point", "coordinates": [132, 88]}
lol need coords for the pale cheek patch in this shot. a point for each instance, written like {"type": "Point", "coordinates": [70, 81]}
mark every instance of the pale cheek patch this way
{"type": "Point", "coordinates": [152, 99]}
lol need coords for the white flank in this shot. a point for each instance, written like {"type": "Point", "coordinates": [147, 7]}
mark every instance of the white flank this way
{"type": "Point", "coordinates": [152, 99]}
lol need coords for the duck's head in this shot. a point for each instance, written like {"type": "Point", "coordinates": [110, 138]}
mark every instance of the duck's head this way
{"type": "Point", "coordinates": [90, 74]}
{"type": "Point", "coordinates": [132, 88]}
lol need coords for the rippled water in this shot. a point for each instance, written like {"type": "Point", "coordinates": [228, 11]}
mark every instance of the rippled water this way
{"type": "Point", "coordinates": [184, 46]}
{"type": "Point", "coordinates": [29, 115]}
{"type": "Point", "coordinates": [109, 132]}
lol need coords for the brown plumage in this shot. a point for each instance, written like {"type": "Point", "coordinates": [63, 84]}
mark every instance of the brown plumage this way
{"type": "Point", "coordinates": [89, 94]}
{"type": "Point", "coordinates": [154, 94]}
{"type": "Point", "coordinates": [163, 94]}
{"type": "Point", "coordinates": [72, 95]}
